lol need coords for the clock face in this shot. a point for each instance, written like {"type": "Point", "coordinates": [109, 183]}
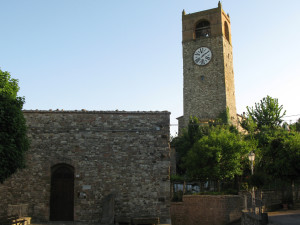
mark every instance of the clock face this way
{"type": "Point", "coordinates": [202, 56]}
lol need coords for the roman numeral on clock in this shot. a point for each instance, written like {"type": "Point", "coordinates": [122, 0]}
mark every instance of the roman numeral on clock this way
{"type": "Point", "coordinates": [197, 60]}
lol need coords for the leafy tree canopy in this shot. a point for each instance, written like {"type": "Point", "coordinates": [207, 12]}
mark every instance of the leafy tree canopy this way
{"type": "Point", "coordinates": [187, 148]}
{"type": "Point", "coordinates": [280, 153]}
{"type": "Point", "coordinates": [267, 112]}
{"type": "Point", "coordinates": [217, 151]}
{"type": "Point", "coordinates": [277, 148]}
{"type": "Point", "coordinates": [295, 126]}
{"type": "Point", "coordinates": [217, 156]}
{"type": "Point", "coordinates": [8, 86]}
{"type": "Point", "coordinates": [183, 143]}
{"type": "Point", "coordinates": [13, 139]}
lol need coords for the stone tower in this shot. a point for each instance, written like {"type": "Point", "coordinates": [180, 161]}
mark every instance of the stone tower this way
{"type": "Point", "coordinates": [208, 88]}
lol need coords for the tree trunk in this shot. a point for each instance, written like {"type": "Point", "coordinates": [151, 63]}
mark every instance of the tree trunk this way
{"type": "Point", "coordinates": [293, 192]}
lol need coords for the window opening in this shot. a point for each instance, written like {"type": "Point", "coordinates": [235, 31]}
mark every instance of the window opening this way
{"type": "Point", "coordinates": [202, 29]}
{"type": "Point", "coordinates": [226, 31]}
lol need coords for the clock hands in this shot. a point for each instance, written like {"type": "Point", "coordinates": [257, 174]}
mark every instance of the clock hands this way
{"type": "Point", "coordinates": [202, 56]}
{"type": "Point", "coordinates": [205, 53]}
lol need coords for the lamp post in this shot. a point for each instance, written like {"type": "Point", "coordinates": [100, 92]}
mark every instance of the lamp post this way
{"type": "Point", "coordinates": [251, 157]}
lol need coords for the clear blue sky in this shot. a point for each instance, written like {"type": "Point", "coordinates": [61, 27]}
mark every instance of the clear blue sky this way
{"type": "Point", "coordinates": [127, 54]}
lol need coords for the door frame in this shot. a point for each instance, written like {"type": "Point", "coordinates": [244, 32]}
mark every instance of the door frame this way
{"type": "Point", "coordinates": [54, 216]}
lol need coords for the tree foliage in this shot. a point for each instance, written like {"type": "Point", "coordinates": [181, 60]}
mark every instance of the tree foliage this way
{"type": "Point", "coordinates": [280, 153]}
{"type": "Point", "coordinates": [216, 156]}
{"type": "Point", "coordinates": [8, 86]}
{"type": "Point", "coordinates": [266, 113]}
{"type": "Point", "coordinates": [13, 139]}
{"type": "Point", "coordinates": [184, 143]}
{"type": "Point", "coordinates": [277, 151]}
{"type": "Point", "coordinates": [209, 151]}
{"type": "Point", "coordinates": [219, 152]}
{"type": "Point", "coordinates": [295, 126]}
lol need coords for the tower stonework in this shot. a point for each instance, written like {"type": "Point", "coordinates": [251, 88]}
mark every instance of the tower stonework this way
{"type": "Point", "coordinates": [208, 88]}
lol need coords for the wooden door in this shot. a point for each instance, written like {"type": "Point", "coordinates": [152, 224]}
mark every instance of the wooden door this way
{"type": "Point", "coordinates": [62, 193]}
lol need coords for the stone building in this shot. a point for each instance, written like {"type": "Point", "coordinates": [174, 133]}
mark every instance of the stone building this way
{"type": "Point", "coordinates": [93, 166]}
{"type": "Point", "coordinates": [208, 78]}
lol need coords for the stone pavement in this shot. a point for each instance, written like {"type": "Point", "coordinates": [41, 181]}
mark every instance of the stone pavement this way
{"type": "Point", "coordinates": [284, 217]}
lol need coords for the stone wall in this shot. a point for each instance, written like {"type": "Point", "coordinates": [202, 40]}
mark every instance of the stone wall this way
{"type": "Point", "coordinates": [206, 210]}
{"type": "Point", "coordinates": [125, 154]}
{"type": "Point", "coordinates": [229, 81]}
{"type": "Point", "coordinates": [204, 87]}
{"type": "Point", "coordinates": [251, 219]}
{"type": "Point", "coordinates": [268, 199]}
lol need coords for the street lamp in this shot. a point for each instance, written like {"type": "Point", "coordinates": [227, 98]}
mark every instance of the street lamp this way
{"type": "Point", "coordinates": [251, 157]}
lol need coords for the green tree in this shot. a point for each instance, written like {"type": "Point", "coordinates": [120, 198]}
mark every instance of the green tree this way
{"type": "Point", "coordinates": [8, 86]}
{"type": "Point", "coordinates": [13, 138]}
{"type": "Point", "coordinates": [266, 113]}
{"type": "Point", "coordinates": [183, 143]}
{"type": "Point", "coordinates": [281, 156]}
{"type": "Point", "coordinates": [295, 126]}
{"type": "Point", "coordinates": [217, 156]}
{"type": "Point", "coordinates": [194, 132]}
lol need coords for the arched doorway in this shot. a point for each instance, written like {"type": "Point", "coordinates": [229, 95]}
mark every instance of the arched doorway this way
{"type": "Point", "coordinates": [62, 193]}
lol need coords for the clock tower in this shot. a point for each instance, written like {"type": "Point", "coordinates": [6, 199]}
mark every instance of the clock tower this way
{"type": "Point", "coordinates": [208, 79]}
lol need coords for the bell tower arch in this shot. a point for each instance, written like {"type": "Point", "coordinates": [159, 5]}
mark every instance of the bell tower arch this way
{"type": "Point", "coordinates": [208, 77]}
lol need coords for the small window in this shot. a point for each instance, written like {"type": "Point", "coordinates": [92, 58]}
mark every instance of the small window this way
{"type": "Point", "coordinates": [226, 31]}
{"type": "Point", "coordinates": [202, 29]}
